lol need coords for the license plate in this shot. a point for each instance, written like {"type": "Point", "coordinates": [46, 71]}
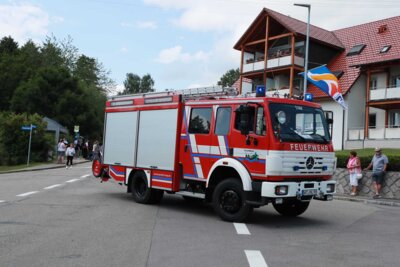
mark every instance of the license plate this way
{"type": "Point", "coordinates": [309, 192]}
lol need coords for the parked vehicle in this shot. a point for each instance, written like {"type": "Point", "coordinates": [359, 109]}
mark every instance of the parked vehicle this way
{"type": "Point", "coordinates": [236, 152]}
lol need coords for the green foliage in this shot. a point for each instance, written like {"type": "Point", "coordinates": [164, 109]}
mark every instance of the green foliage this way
{"type": "Point", "coordinates": [134, 84]}
{"type": "Point", "coordinates": [229, 78]}
{"type": "Point", "coordinates": [14, 142]}
{"type": "Point", "coordinates": [366, 155]}
{"type": "Point", "coordinates": [53, 80]}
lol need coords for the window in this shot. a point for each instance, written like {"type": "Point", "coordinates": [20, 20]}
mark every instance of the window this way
{"type": "Point", "coordinates": [260, 122]}
{"type": "Point", "coordinates": [373, 83]}
{"type": "Point", "coordinates": [372, 121]}
{"type": "Point", "coordinates": [395, 81]}
{"type": "Point", "coordinates": [251, 119]}
{"type": "Point", "coordinates": [223, 122]}
{"type": "Point", "coordinates": [394, 119]}
{"type": "Point", "coordinates": [200, 121]}
{"type": "Point", "coordinates": [355, 50]}
{"type": "Point", "coordinates": [385, 49]}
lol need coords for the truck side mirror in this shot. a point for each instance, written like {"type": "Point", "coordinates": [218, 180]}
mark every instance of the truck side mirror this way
{"type": "Point", "coordinates": [329, 117]}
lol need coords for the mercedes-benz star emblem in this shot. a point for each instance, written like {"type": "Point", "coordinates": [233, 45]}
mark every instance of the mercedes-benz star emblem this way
{"type": "Point", "coordinates": [310, 163]}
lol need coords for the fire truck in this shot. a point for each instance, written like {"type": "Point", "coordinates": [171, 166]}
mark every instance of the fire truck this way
{"type": "Point", "coordinates": [236, 152]}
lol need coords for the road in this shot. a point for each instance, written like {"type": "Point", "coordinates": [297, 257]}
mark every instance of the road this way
{"type": "Point", "coordinates": [65, 217]}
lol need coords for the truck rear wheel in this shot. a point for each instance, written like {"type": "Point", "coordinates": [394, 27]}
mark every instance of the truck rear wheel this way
{"type": "Point", "coordinates": [141, 191]}
{"type": "Point", "coordinates": [229, 201]}
{"type": "Point", "coordinates": [292, 208]}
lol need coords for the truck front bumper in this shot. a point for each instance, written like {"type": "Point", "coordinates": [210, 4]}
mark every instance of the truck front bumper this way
{"type": "Point", "coordinates": [322, 190]}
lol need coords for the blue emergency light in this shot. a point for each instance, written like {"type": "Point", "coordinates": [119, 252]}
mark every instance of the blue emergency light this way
{"type": "Point", "coordinates": [309, 97]}
{"type": "Point", "coordinates": [260, 91]}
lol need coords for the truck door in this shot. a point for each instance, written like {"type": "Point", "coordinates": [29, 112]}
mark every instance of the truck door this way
{"type": "Point", "coordinates": [221, 133]}
{"type": "Point", "coordinates": [249, 146]}
{"type": "Point", "coordinates": [195, 142]}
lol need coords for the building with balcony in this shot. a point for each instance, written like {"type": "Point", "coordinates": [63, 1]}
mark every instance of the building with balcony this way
{"type": "Point", "coordinates": [365, 58]}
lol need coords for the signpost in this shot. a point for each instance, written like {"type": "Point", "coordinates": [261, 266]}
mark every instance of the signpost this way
{"type": "Point", "coordinates": [29, 128]}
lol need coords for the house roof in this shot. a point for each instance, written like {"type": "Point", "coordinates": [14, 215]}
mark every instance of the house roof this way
{"type": "Point", "coordinates": [293, 25]}
{"type": "Point", "coordinates": [369, 35]}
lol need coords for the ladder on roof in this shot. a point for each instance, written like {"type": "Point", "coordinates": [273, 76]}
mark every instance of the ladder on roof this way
{"type": "Point", "coordinates": [187, 94]}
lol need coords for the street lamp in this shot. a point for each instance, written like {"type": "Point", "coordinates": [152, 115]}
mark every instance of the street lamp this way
{"type": "Point", "coordinates": [308, 6]}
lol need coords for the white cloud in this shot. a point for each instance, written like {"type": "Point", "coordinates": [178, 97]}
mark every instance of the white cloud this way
{"type": "Point", "coordinates": [175, 54]}
{"type": "Point", "coordinates": [23, 21]}
{"type": "Point", "coordinates": [123, 50]}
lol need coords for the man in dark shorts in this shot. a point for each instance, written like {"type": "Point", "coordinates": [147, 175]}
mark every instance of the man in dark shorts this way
{"type": "Point", "coordinates": [379, 164]}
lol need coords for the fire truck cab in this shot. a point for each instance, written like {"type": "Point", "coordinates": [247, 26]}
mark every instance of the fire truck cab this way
{"type": "Point", "coordinates": [236, 152]}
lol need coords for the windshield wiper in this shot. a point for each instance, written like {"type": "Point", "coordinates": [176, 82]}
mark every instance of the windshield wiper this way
{"type": "Point", "coordinates": [321, 136]}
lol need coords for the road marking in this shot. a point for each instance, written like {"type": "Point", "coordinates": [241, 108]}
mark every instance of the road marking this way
{"type": "Point", "coordinates": [255, 258]}
{"type": "Point", "coordinates": [84, 176]}
{"type": "Point", "coordinates": [1, 201]}
{"type": "Point", "coordinates": [52, 186]}
{"type": "Point", "coordinates": [73, 180]}
{"type": "Point", "coordinates": [241, 229]}
{"type": "Point", "coordinates": [27, 194]}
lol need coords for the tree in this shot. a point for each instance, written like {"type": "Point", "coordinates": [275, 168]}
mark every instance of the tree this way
{"type": "Point", "coordinates": [229, 78]}
{"type": "Point", "coordinates": [134, 84]}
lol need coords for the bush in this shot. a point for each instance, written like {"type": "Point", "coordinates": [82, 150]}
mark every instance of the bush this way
{"type": "Point", "coordinates": [366, 155]}
{"type": "Point", "coordinates": [14, 142]}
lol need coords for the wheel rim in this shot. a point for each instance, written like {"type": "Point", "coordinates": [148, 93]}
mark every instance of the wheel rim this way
{"type": "Point", "coordinates": [140, 187]}
{"type": "Point", "coordinates": [230, 201]}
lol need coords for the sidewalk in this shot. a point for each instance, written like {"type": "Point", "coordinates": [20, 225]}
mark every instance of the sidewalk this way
{"type": "Point", "coordinates": [46, 166]}
{"type": "Point", "coordinates": [369, 200]}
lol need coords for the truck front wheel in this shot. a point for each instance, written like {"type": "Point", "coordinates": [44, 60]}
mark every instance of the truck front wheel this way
{"type": "Point", "coordinates": [291, 208]}
{"type": "Point", "coordinates": [229, 201]}
{"type": "Point", "coordinates": [141, 191]}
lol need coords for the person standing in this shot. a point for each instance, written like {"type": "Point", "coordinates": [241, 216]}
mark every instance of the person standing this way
{"type": "Point", "coordinates": [354, 168]}
{"type": "Point", "coordinates": [379, 165]}
{"type": "Point", "coordinates": [70, 153]}
{"type": "Point", "coordinates": [61, 147]}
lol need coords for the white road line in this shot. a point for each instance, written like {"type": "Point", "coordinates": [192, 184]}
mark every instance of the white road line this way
{"type": "Point", "coordinates": [255, 258]}
{"type": "Point", "coordinates": [52, 186]}
{"type": "Point", "coordinates": [1, 201]}
{"type": "Point", "coordinates": [73, 180]}
{"type": "Point", "coordinates": [241, 229]}
{"type": "Point", "coordinates": [27, 194]}
{"type": "Point", "coordinates": [86, 175]}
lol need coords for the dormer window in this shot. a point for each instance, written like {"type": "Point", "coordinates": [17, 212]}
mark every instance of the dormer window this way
{"type": "Point", "coordinates": [385, 49]}
{"type": "Point", "coordinates": [356, 50]}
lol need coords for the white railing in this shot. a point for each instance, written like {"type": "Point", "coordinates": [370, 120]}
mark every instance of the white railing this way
{"type": "Point", "coordinates": [273, 63]}
{"type": "Point", "coordinates": [385, 93]}
{"type": "Point", "coordinates": [374, 133]}
{"type": "Point", "coordinates": [258, 65]}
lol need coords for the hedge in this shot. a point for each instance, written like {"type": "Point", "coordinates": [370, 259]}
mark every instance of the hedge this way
{"type": "Point", "coordinates": [394, 160]}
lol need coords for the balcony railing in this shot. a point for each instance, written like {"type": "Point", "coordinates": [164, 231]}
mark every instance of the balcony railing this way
{"type": "Point", "coordinates": [374, 133]}
{"type": "Point", "coordinates": [385, 93]}
{"type": "Point", "coordinates": [283, 59]}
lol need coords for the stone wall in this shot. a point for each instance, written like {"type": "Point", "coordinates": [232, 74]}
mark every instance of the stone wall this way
{"type": "Point", "coordinates": [390, 186]}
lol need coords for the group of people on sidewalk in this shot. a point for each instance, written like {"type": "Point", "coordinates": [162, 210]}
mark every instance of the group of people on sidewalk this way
{"type": "Point", "coordinates": [70, 151]}
{"type": "Point", "coordinates": [378, 164]}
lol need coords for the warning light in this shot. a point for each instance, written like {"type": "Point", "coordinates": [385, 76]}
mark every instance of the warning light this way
{"type": "Point", "coordinates": [309, 97]}
{"type": "Point", "coordinates": [260, 91]}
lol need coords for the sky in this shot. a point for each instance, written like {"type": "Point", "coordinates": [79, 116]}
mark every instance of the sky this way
{"type": "Point", "coordinates": [180, 43]}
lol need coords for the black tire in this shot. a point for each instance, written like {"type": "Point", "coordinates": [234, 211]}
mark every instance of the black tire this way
{"type": "Point", "coordinates": [292, 208]}
{"type": "Point", "coordinates": [229, 201]}
{"type": "Point", "coordinates": [141, 192]}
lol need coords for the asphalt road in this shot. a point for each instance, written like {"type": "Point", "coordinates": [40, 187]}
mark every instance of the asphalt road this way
{"type": "Point", "coordinates": [65, 217]}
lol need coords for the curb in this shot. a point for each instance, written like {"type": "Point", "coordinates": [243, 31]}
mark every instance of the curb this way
{"type": "Point", "coordinates": [43, 168]}
{"type": "Point", "coordinates": [384, 202]}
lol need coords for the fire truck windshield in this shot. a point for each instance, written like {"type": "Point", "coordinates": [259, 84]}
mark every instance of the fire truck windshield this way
{"type": "Point", "coordinates": [295, 123]}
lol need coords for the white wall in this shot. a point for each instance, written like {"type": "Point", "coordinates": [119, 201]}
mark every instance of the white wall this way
{"type": "Point", "coordinates": [356, 99]}
{"type": "Point", "coordinates": [380, 116]}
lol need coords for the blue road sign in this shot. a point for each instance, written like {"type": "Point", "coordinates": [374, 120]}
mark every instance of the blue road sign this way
{"type": "Point", "coordinates": [28, 128]}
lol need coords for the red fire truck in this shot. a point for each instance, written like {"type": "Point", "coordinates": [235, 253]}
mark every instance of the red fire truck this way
{"type": "Point", "coordinates": [236, 152]}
